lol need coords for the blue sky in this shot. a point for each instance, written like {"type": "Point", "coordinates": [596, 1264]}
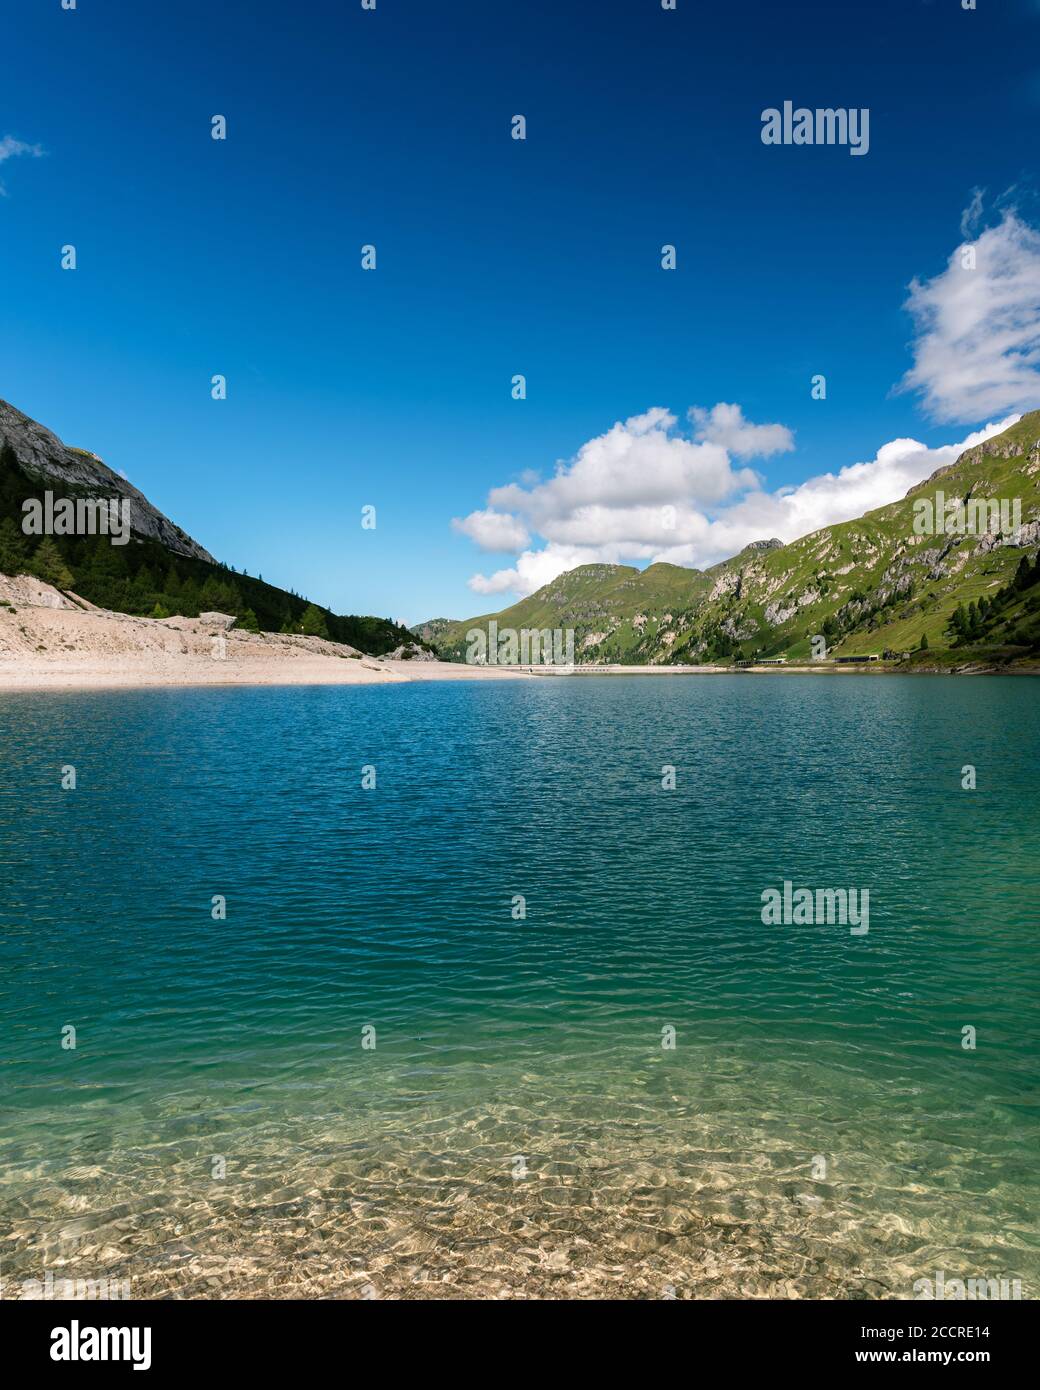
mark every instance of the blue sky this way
{"type": "Point", "coordinates": [495, 256]}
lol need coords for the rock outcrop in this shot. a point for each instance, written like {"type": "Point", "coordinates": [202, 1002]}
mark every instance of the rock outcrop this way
{"type": "Point", "coordinates": [410, 653]}
{"type": "Point", "coordinates": [71, 472]}
{"type": "Point", "coordinates": [225, 620]}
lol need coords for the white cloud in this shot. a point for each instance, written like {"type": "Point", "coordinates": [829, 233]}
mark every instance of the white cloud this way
{"type": "Point", "coordinates": [492, 530]}
{"type": "Point", "coordinates": [537, 567]}
{"type": "Point", "coordinates": [498, 583]}
{"type": "Point", "coordinates": [971, 217]}
{"type": "Point", "coordinates": [640, 462]}
{"type": "Point", "coordinates": [660, 513]}
{"type": "Point", "coordinates": [10, 147]}
{"type": "Point", "coordinates": [725, 424]}
{"type": "Point", "coordinates": [977, 345]}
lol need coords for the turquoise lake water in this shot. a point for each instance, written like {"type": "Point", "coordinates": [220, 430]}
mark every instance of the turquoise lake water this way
{"type": "Point", "coordinates": [518, 1129]}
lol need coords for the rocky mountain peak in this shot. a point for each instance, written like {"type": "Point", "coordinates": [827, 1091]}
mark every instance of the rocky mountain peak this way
{"type": "Point", "coordinates": [75, 472]}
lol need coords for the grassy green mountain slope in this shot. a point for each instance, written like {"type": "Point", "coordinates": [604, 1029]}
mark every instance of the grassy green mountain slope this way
{"type": "Point", "coordinates": [431, 629]}
{"type": "Point", "coordinates": [618, 613]}
{"type": "Point", "coordinates": [872, 584]}
{"type": "Point", "coordinates": [867, 586]}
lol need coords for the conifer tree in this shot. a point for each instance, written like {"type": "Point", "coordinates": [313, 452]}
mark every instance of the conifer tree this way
{"type": "Point", "coordinates": [313, 624]}
{"type": "Point", "coordinates": [48, 565]}
{"type": "Point", "coordinates": [14, 553]}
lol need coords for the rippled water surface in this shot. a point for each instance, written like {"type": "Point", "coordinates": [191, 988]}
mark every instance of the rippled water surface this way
{"type": "Point", "coordinates": [518, 1129]}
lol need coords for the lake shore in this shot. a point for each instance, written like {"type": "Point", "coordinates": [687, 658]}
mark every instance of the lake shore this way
{"type": "Point", "coordinates": [53, 641]}
{"type": "Point", "coordinates": [244, 667]}
{"type": "Point", "coordinates": [50, 672]}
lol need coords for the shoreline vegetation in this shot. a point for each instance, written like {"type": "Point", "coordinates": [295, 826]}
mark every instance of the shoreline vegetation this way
{"type": "Point", "coordinates": [55, 641]}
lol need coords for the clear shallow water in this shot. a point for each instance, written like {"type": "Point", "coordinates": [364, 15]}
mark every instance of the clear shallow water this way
{"type": "Point", "coordinates": [390, 1172]}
